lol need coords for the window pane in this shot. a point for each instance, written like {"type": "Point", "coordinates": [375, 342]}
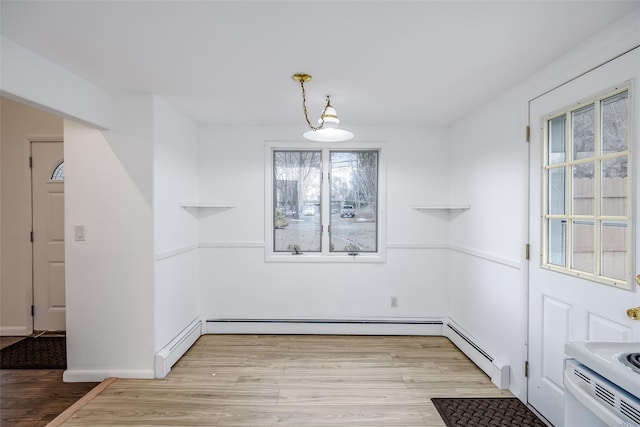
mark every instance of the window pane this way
{"type": "Point", "coordinates": [58, 173]}
{"type": "Point", "coordinates": [557, 238]}
{"type": "Point", "coordinates": [614, 186]}
{"type": "Point", "coordinates": [354, 201]}
{"type": "Point", "coordinates": [615, 123]}
{"type": "Point", "coordinates": [557, 146]}
{"type": "Point", "coordinates": [583, 189]}
{"type": "Point", "coordinates": [587, 194]}
{"type": "Point", "coordinates": [614, 250]}
{"type": "Point", "coordinates": [556, 191]}
{"type": "Point", "coordinates": [583, 244]}
{"type": "Point", "coordinates": [583, 132]}
{"type": "Point", "coordinates": [297, 184]}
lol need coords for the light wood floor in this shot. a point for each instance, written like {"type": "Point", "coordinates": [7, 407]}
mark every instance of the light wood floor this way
{"type": "Point", "coordinates": [251, 380]}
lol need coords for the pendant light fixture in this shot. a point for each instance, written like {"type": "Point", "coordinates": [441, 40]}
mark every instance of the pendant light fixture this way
{"type": "Point", "coordinates": [327, 129]}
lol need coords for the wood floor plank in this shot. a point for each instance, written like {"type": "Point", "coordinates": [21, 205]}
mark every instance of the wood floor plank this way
{"type": "Point", "coordinates": [328, 416]}
{"type": "Point", "coordinates": [296, 380]}
{"type": "Point", "coordinates": [321, 381]}
{"type": "Point", "coordinates": [34, 397]}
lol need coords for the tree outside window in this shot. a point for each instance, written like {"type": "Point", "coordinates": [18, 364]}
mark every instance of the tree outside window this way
{"type": "Point", "coordinates": [325, 201]}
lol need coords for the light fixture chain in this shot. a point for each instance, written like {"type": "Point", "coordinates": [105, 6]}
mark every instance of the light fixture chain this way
{"type": "Point", "coordinates": [304, 108]}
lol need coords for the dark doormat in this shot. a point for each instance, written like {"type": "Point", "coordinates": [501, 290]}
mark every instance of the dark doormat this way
{"type": "Point", "coordinates": [35, 353]}
{"type": "Point", "coordinates": [472, 412]}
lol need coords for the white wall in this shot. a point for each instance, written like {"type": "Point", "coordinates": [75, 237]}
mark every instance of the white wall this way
{"type": "Point", "coordinates": [175, 172]}
{"type": "Point", "coordinates": [33, 80]}
{"type": "Point", "coordinates": [108, 188]}
{"type": "Point", "coordinates": [488, 275]}
{"type": "Point", "coordinates": [20, 124]}
{"type": "Point", "coordinates": [237, 283]}
{"type": "Point", "coordinates": [487, 271]}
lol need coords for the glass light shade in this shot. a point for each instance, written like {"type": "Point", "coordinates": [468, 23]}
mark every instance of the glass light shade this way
{"type": "Point", "coordinates": [327, 134]}
{"type": "Point", "coordinates": [329, 116]}
{"type": "Point", "coordinates": [330, 131]}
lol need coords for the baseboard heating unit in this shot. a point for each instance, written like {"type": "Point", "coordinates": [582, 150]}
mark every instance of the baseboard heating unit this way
{"type": "Point", "coordinates": [173, 351]}
{"type": "Point", "coordinates": [325, 327]}
{"type": "Point", "coordinates": [496, 370]}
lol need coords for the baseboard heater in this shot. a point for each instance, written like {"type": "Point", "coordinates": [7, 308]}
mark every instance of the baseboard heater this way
{"type": "Point", "coordinates": [173, 351]}
{"type": "Point", "coordinates": [496, 370]}
{"type": "Point", "coordinates": [324, 326]}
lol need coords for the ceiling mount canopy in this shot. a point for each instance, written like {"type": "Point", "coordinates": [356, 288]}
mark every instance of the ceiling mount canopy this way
{"type": "Point", "coordinates": [327, 129]}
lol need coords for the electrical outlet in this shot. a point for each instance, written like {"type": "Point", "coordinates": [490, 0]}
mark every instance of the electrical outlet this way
{"type": "Point", "coordinates": [394, 302]}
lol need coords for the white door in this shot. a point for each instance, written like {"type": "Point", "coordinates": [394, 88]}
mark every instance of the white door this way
{"type": "Point", "coordinates": [47, 181]}
{"type": "Point", "coordinates": [587, 234]}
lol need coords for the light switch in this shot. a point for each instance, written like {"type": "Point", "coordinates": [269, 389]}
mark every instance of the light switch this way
{"type": "Point", "coordinates": [80, 233]}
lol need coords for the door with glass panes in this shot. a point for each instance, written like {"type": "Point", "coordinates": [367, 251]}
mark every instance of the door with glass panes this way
{"type": "Point", "coordinates": [583, 226]}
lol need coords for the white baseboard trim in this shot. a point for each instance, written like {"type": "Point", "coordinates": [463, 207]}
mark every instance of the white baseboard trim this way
{"type": "Point", "coordinates": [173, 351]}
{"type": "Point", "coordinates": [14, 331]}
{"type": "Point", "coordinates": [90, 375]}
{"type": "Point", "coordinates": [495, 369]}
{"type": "Point", "coordinates": [325, 327]}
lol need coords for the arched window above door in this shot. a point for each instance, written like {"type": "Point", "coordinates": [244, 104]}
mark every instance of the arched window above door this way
{"type": "Point", "coordinates": [58, 172]}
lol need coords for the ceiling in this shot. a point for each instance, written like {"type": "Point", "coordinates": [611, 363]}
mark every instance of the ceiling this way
{"type": "Point", "coordinates": [383, 62]}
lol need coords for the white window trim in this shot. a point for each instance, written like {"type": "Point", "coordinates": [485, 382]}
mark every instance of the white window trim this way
{"type": "Point", "coordinates": [334, 257]}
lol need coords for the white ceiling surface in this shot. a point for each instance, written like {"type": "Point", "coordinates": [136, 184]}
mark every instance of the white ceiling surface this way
{"type": "Point", "coordinates": [383, 62]}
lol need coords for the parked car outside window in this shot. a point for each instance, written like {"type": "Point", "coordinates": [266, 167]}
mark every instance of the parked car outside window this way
{"type": "Point", "coordinates": [347, 211]}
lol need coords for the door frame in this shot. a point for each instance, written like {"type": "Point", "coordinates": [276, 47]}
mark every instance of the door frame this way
{"type": "Point", "coordinates": [29, 287]}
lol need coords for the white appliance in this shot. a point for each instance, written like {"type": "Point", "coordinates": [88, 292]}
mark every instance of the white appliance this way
{"type": "Point", "coordinates": [602, 384]}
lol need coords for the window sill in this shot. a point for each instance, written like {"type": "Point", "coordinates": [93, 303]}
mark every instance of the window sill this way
{"type": "Point", "coordinates": [337, 258]}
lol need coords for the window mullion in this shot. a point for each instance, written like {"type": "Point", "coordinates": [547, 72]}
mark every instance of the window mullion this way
{"type": "Point", "coordinates": [597, 247]}
{"type": "Point", "coordinates": [569, 191]}
{"type": "Point", "coordinates": [325, 201]}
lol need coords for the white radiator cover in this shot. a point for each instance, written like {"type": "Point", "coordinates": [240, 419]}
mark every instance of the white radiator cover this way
{"type": "Point", "coordinates": [325, 327]}
{"type": "Point", "coordinates": [495, 369]}
{"type": "Point", "coordinates": [173, 351]}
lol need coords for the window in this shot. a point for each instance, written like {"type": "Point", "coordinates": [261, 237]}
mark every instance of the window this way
{"type": "Point", "coordinates": [354, 189]}
{"type": "Point", "coordinates": [58, 172]}
{"type": "Point", "coordinates": [587, 191]}
{"type": "Point", "coordinates": [324, 204]}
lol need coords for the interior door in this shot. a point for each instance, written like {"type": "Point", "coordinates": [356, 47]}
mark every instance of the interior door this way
{"type": "Point", "coordinates": [47, 181]}
{"type": "Point", "coordinates": [565, 307]}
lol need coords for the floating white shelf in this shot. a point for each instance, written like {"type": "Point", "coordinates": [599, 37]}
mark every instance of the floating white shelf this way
{"type": "Point", "coordinates": [442, 208]}
{"type": "Point", "coordinates": [212, 205]}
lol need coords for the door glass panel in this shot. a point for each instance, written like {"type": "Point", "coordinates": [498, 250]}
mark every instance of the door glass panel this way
{"type": "Point", "coordinates": [58, 172]}
{"type": "Point", "coordinates": [556, 191]}
{"type": "Point", "coordinates": [297, 185]}
{"type": "Point", "coordinates": [583, 246]}
{"type": "Point", "coordinates": [614, 250]}
{"type": "Point", "coordinates": [557, 153]}
{"type": "Point", "coordinates": [556, 240]}
{"type": "Point", "coordinates": [588, 198]}
{"type": "Point", "coordinates": [615, 187]}
{"type": "Point", "coordinates": [583, 189]}
{"type": "Point", "coordinates": [354, 201]}
{"type": "Point", "coordinates": [615, 123]}
{"type": "Point", "coordinates": [583, 132]}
